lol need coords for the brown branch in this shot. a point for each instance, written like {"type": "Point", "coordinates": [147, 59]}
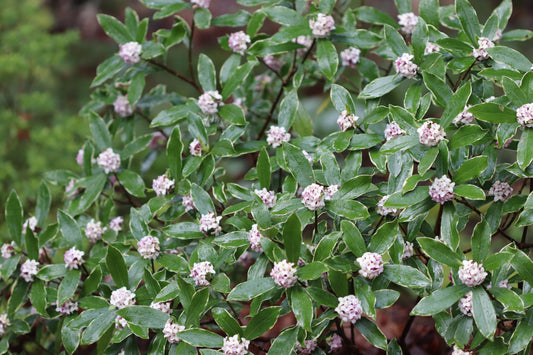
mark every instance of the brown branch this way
{"type": "Point", "coordinates": [176, 74]}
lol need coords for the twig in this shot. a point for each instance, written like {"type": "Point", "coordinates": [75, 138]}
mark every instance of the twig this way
{"type": "Point", "coordinates": [462, 77]}
{"type": "Point", "coordinates": [176, 74]}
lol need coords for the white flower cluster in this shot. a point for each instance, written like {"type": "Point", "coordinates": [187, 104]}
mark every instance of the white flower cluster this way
{"type": "Point", "coordinates": [109, 161]}
{"type": "Point", "coordinates": [94, 230]}
{"type": "Point", "coordinates": [277, 135]}
{"type": "Point", "coordinates": [188, 203]}
{"type": "Point", "coordinates": [122, 298]}
{"type": "Point", "coordinates": [442, 190]}
{"type": "Point", "coordinates": [408, 22]}
{"type": "Point", "coordinates": [308, 348]}
{"type": "Point", "coordinates": [130, 52]}
{"type": "Point", "coordinates": [171, 330]}
{"type": "Point", "coordinates": [120, 323]}
{"type": "Point", "coordinates": [162, 184]}
{"type": "Point", "coordinates": [459, 351]}
{"type": "Point", "coordinates": [195, 148]}
{"type": "Point", "coordinates": [68, 307]}
{"type": "Point", "coordinates": [472, 273]}
{"type": "Point", "coordinates": [464, 117]}
{"type": "Point", "coordinates": [199, 272]}
{"type": "Point", "coordinates": [148, 247]}
{"type": "Point", "coordinates": [392, 130]}
{"type": "Point", "coordinates": [305, 41]}
{"type": "Point", "coordinates": [116, 223]}
{"type": "Point", "coordinates": [28, 270]}
{"type": "Point", "coordinates": [238, 42]}
{"type": "Point", "coordinates": [347, 120]}
{"type": "Point", "coordinates": [408, 250]}
{"type": "Point", "coordinates": [431, 48]}
{"type": "Point", "coordinates": [73, 258]}
{"type": "Point", "coordinates": [201, 3]}
{"type": "Point", "coordinates": [350, 56]}
{"type": "Point", "coordinates": [209, 101]}
{"type": "Point", "coordinates": [349, 309]}
{"type": "Point", "coordinates": [481, 53]}
{"type": "Point", "coordinates": [284, 274]}
{"type": "Point", "coordinates": [465, 304]}
{"type": "Point", "coordinates": [524, 115]}
{"type": "Point", "coordinates": [501, 191]}
{"type": "Point", "coordinates": [29, 223]}
{"type": "Point", "coordinates": [322, 25]}
{"type": "Point", "coordinates": [430, 133]}
{"type": "Point", "coordinates": [122, 106]}
{"type": "Point", "coordinates": [335, 343]}
{"type": "Point", "coordinates": [164, 307]}
{"type": "Point", "coordinates": [232, 346]}
{"type": "Point", "coordinates": [371, 265]}
{"type": "Point", "coordinates": [4, 323]}
{"type": "Point", "coordinates": [268, 197]}
{"type": "Point", "coordinates": [254, 237]}
{"type": "Point", "coordinates": [273, 62]}
{"type": "Point", "coordinates": [405, 67]}
{"type": "Point", "coordinates": [330, 191]}
{"type": "Point", "coordinates": [7, 250]}
{"type": "Point", "coordinates": [382, 210]}
{"type": "Point", "coordinates": [503, 284]}
{"type": "Point", "coordinates": [210, 221]}
{"type": "Point", "coordinates": [313, 197]}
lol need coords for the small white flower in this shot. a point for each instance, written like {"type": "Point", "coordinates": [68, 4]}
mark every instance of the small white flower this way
{"type": "Point", "coordinates": [350, 56]}
{"type": "Point", "coordinates": [148, 247]}
{"type": "Point", "coordinates": [407, 250]}
{"type": "Point", "coordinates": [201, 3]}
{"type": "Point", "coordinates": [254, 237]}
{"type": "Point", "coordinates": [7, 250]}
{"type": "Point", "coordinates": [308, 348]}
{"type": "Point", "coordinates": [4, 323]}
{"type": "Point", "coordinates": [73, 258]}
{"type": "Point", "coordinates": [188, 203]}
{"type": "Point", "coordinates": [347, 120]}
{"type": "Point", "coordinates": [277, 135]}
{"type": "Point", "coordinates": [122, 106]}
{"type": "Point", "coordinates": [164, 307]}
{"type": "Point", "coordinates": [524, 115]}
{"type": "Point", "coordinates": [501, 191]}
{"type": "Point", "coordinates": [465, 304]}
{"type": "Point", "coordinates": [313, 197]}
{"type": "Point", "coordinates": [405, 67]}
{"type": "Point", "coordinates": [305, 41]}
{"type": "Point", "coordinates": [130, 52]}
{"type": "Point", "coordinates": [273, 62]}
{"type": "Point", "coordinates": [471, 273]}
{"type": "Point", "coordinates": [441, 190]}
{"type": "Point", "coordinates": [28, 270]}
{"type": "Point", "coordinates": [481, 53]}
{"type": "Point", "coordinates": [284, 274]}
{"type": "Point", "coordinates": [382, 210]}
{"type": "Point", "coordinates": [109, 161]}
{"type": "Point", "coordinates": [431, 48]}
{"type": "Point", "coordinates": [209, 222]}
{"type": "Point", "coordinates": [371, 265]}
{"type": "Point", "coordinates": [209, 101]}
{"type": "Point", "coordinates": [464, 117]}
{"type": "Point", "coordinates": [94, 230]}
{"type": "Point", "coordinates": [79, 157]}
{"type": "Point", "coordinates": [162, 184]}
{"type": "Point", "coordinates": [67, 308]}
{"type": "Point", "coordinates": [392, 130]}
{"type": "Point", "coordinates": [430, 133]}
{"type": "Point", "coordinates": [199, 272]}
{"type": "Point", "coordinates": [116, 224]}
{"type": "Point", "coordinates": [349, 309]}
{"type": "Point", "coordinates": [330, 191]}
{"type": "Point", "coordinates": [335, 343]}
{"type": "Point", "coordinates": [120, 323]}
{"type": "Point", "coordinates": [408, 22]}
{"type": "Point", "coordinates": [268, 197]}
{"type": "Point", "coordinates": [232, 346]}
{"type": "Point", "coordinates": [238, 42]}
{"type": "Point", "coordinates": [31, 223]}
{"type": "Point", "coordinates": [171, 331]}
{"type": "Point", "coordinates": [122, 298]}
{"type": "Point", "coordinates": [459, 351]}
{"type": "Point", "coordinates": [322, 25]}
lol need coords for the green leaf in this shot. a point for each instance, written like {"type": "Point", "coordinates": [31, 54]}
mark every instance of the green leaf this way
{"type": "Point", "coordinates": [395, 41]}
{"type": "Point", "coordinates": [384, 237]}
{"type": "Point", "coordinates": [202, 200]}
{"type": "Point", "coordinates": [429, 11]}
{"type": "Point", "coordinates": [327, 58]}
{"type": "Point", "coordinates": [237, 19]}
{"type": "Point", "coordinates": [285, 16]}
{"type": "Point", "coordinates": [232, 114]}
{"type": "Point", "coordinates": [311, 271]}
{"type": "Point", "coordinates": [261, 322]}
{"type": "Point", "coordinates": [470, 192]}
{"type": "Point", "coordinates": [206, 73]}
{"type": "Point", "coordinates": [406, 276]}
{"type": "Point", "coordinates": [136, 88]}
{"type": "Point", "coordinates": [440, 252]}
{"type": "Point", "coordinates": [68, 286]}
{"type": "Point", "coordinates": [302, 307]}
{"type": "Point", "coordinates": [298, 165]}
{"type": "Point", "coordinates": [99, 131]}
{"type": "Point", "coordinates": [510, 57]}
{"type": "Point", "coordinates": [174, 150]}
{"type": "Point", "coordinates": [374, 16]}
{"type": "Point", "coordinates": [264, 169]}
{"type": "Point", "coordinates": [98, 327]}
{"type": "Point", "coordinates": [348, 208]}
{"type": "Point", "coordinates": [399, 143]}
{"type": "Point", "coordinates": [353, 238]}
{"type": "Point", "coordinates": [107, 69]}
{"type": "Point", "coordinates": [14, 217]}
{"type": "Point", "coordinates": [493, 113]}
{"type": "Point", "coordinates": [363, 291]}
{"type": "Point", "coordinates": [471, 169]}
{"type": "Point", "coordinates": [514, 92]}
{"type": "Point", "coordinates": [236, 79]}
{"type": "Point", "coordinates": [522, 334]}
{"type": "Point", "coordinates": [132, 182]}
{"type": "Point", "coordinates": [468, 18]}
{"type": "Point", "coordinates": [510, 300]}
{"type": "Point", "coordinates": [70, 337]}
{"type": "Point", "coordinates": [117, 266]}
{"type": "Point", "coordinates": [114, 29]}
{"type": "Point", "coordinates": [341, 99]}
{"type": "Point", "coordinates": [525, 149]}
{"type": "Point", "coordinates": [481, 241]}
{"type": "Point", "coordinates": [456, 105]}
{"type": "Point", "coordinates": [288, 110]}
{"type": "Point", "coordinates": [144, 316]}
{"type": "Point", "coordinates": [292, 238]}
{"type": "Point", "coordinates": [250, 289]}
{"type": "Point", "coordinates": [43, 204]}
{"type": "Point", "coordinates": [197, 307]}
{"type": "Point", "coordinates": [439, 300]}
{"type": "Point", "coordinates": [380, 86]}
{"type": "Point", "coordinates": [483, 311]}
{"type": "Point", "coordinates": [226, 321]}
{"type": "Point", "coordinates": [466, 135]}
{"type": "Point", "coordinates": [93, 187]}
{"type": "Point", "coordinates": [428, 159]}
{"type": "Point", "coordinates": [201, 338]}
{"type": "Point", "coordinates": [372, 333]}
{"type": "Point", "coordinates": [202, 19]}
{"type": "Point", "coordinates": [70, 229]}
{"type": "Point", "coordinates": [523, 265]}
{"type": "Point", "coordinates": [38, 297]}
{"type": "Point", "coordinates": [438, 87]}
{"type": "Point", "coordinates": [284, 343]}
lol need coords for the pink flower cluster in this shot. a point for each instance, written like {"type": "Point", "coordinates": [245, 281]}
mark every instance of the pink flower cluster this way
{"type": "Point", "coordinates": [254, 237]}
{"type": "Point", "coordinates": [109, 161]}
{"type": "Point", "coordinates": [268, 197]}
{"type": "Point", "coordinates": [431, 48]}
{"type": "Point", "coordinates": [350, 56]}
{"type": "Point", "coordinates": [116, 223]}
{"type": "Point", "coordinates": [7, 250]}
{"type": "Point", "coordinates": [465, 304]}
{"type": "Point", "coordinates": [524, 115]}
{"type": "Point", "coordinates": [188, 203]}
{"type": "Point", "coordinates": [284, 274]}
{"type": "Point", "coordinates": [393, 130]}
{"type": "Point", "coordinates": [471, 273]}
{"type": "Point", "coordinates": [209, 101]}
{"type": "Point", "coordinates": [277, 135]}
{"type": "Point", "coordinates": [68, 307]}
{"type": "Point", "coordinates": [481, 53]}
{"type": "Point", "coordinates": [122, 106]}
{"type": "Point", "coordinates": [73, 258]}
{"type": "Point", "coordinates": [382, 210]}
{"type": "Point", "coordinates": [441, 190]}
{"type": "Point", "coordinates": [28, 270]}
{"type": "Point", "coordinates": [308, 348]}
{"type": "Point", "coordinates": [162, 185]}
{"type": "Point", "coordinates": [209, 222]}
{"type": "Point", "coordinates": [464, 117]}
{"type": "Point", "coordinates": [148, 247]}
{"type": "Point", "coordinates": [349, 309]}
{"type": "Point", "coordinates": [405, 67]}
{"type": "Point", "coordinates": [171, 330]}
{"type": "Point", "coordinates": [164, 307]}
{"type": "Point", "coordinates": [195, 148]}
{"type": "Point", "coordinates": [94, 230]}
{"type": "Point", "coordinates": [501, 191]}
{"type": "Point", "coordinates": [408, 22]}
{"type": "Point", "coordinates": [232, 346]}
{"type": "Point", "coordinates": [335, 343]}
{"type": "Point", "coordinates": [201, 3]}
{"type": "Point", "coordinates": [4, 323]}
{"type": "Point", "coordinates": [130, 52]}
{"type": "Point", "coordinates": [347, 120]}
{"type": "Point", "coordinates": [371, 265]}
{"type": "Point", "coordinates": [238, 42]}
{"type": "Point", "coordinates": [199, 272]}
{"type": "Point", "coordinates": [430, 133]}
{"type": "Point", "coordinates": [122, 298]}
{"type": "Point", "coordinates": [322, 25]}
